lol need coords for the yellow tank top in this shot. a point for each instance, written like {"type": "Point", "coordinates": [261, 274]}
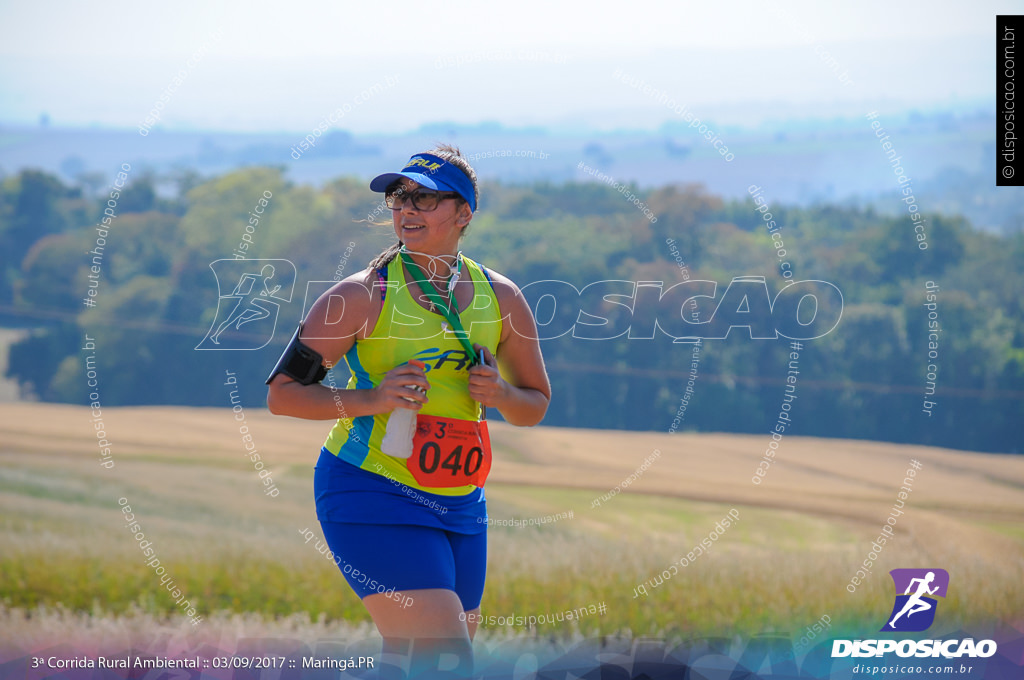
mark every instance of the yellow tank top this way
{"type": "Point", "coordinates": [405, 331]}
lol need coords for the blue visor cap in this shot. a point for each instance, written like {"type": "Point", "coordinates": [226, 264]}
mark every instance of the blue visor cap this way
{"type": "Point", "coordinates": [432, 172]}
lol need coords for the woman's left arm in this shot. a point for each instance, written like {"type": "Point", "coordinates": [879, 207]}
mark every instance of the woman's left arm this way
{"type": "Point", "coordinates": [523, 398]}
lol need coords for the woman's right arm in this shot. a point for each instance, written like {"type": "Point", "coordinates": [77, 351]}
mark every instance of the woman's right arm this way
{"type": "Point", "coordinates": [332, 326]}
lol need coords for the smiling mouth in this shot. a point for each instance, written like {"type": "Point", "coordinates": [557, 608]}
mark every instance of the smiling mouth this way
{"type": "Point", "coordinates": [413, 226]}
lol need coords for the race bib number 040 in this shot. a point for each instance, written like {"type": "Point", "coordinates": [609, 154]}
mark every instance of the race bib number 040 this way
{"type": "Point", "coordinates": [448, 452]}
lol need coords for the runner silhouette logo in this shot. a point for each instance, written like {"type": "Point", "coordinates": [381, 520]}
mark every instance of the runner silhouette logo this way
{"type": "Point", "coordinates": [914, 610]}
{"type": "Point", "coordinates": [249, 297]}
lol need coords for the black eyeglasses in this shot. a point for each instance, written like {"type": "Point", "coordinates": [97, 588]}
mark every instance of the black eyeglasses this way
{"type": "Point", "coordinates": [424, 200]}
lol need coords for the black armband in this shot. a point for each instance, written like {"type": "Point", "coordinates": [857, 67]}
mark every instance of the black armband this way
{"type": "Point", "coordinates": [299, 362]}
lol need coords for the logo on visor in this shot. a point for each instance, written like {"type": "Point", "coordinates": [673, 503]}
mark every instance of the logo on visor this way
{"type": "Point", "coordinates": [415, 161]}
{"type": "Point", "coordinates": [914, 611]}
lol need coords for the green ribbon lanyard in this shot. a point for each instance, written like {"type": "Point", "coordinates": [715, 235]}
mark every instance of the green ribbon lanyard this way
{"type": "Point", "coordinates": [449, 310]}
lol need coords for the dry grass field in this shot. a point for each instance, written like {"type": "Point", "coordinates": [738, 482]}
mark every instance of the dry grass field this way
{"type": "Point", "coordinates": [69, 568]}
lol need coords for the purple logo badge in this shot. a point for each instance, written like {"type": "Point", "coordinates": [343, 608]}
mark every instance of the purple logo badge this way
{"type": "Point", "coordinates": [914, 610]}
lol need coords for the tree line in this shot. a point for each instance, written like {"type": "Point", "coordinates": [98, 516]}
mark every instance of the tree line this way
{"type": "Point", "coordinates": [870, 377]}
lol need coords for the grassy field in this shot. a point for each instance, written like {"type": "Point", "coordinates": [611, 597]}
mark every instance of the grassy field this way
{"type": "Point", "coordinates": [70, 568]}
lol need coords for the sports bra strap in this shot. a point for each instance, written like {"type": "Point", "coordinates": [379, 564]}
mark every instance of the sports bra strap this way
{"type": "Point", "coordinates": [488, 275]}
{"type": "Point", "coordinates": [382, 277]}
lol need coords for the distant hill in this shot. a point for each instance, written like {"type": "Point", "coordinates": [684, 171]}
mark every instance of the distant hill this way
{"type": "Point", "coordinates": [951, 157]}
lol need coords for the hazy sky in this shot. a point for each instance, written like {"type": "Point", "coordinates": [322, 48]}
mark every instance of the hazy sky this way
{"type": "Point", "coordinates": [286, 66]}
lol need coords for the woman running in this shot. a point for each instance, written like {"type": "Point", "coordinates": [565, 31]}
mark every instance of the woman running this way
{"type": "Point", "coordinates": [423, 329]}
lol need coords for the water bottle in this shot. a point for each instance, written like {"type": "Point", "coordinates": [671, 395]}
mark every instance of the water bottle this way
{"type": "Point", "coordinates": [401, 427]}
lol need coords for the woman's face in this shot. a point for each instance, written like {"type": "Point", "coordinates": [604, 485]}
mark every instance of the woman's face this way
{"type": "Point", "coordinates": [436, 231]}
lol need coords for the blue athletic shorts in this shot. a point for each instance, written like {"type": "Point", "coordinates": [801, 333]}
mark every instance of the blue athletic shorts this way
{"type": "Point", "coordinates": [346, 493]}
{"type": "Point", "coordinates": [376, 558]}
{"type": "Point", "coordinates": [386, 536]}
